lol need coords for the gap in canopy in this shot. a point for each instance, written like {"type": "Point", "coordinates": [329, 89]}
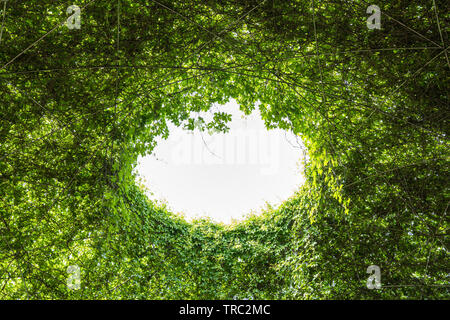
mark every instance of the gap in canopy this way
{"type": "Point", "coordinates": [223, 176]}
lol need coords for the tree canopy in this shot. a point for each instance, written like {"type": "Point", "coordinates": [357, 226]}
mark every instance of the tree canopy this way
{"type": "Point", "coordinates": [78, 106]}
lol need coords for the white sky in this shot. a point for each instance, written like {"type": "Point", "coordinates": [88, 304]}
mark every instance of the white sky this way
{"type": "Point", "coordinates": [242, 169]}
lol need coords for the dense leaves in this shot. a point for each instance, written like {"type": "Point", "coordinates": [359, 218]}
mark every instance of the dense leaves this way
{"type": "Point", "coordinates": [77, 107]}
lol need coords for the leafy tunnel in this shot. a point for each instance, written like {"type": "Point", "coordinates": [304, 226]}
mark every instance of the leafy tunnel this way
{"type": "Point", "coordinates": [78, 106]}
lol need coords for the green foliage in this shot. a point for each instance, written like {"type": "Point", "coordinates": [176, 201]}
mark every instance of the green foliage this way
{"type": "Point", "coordinates": [78, 107]}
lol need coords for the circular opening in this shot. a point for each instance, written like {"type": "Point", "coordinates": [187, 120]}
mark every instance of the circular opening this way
{"type": "Point", "coordinates": [223, 176]}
